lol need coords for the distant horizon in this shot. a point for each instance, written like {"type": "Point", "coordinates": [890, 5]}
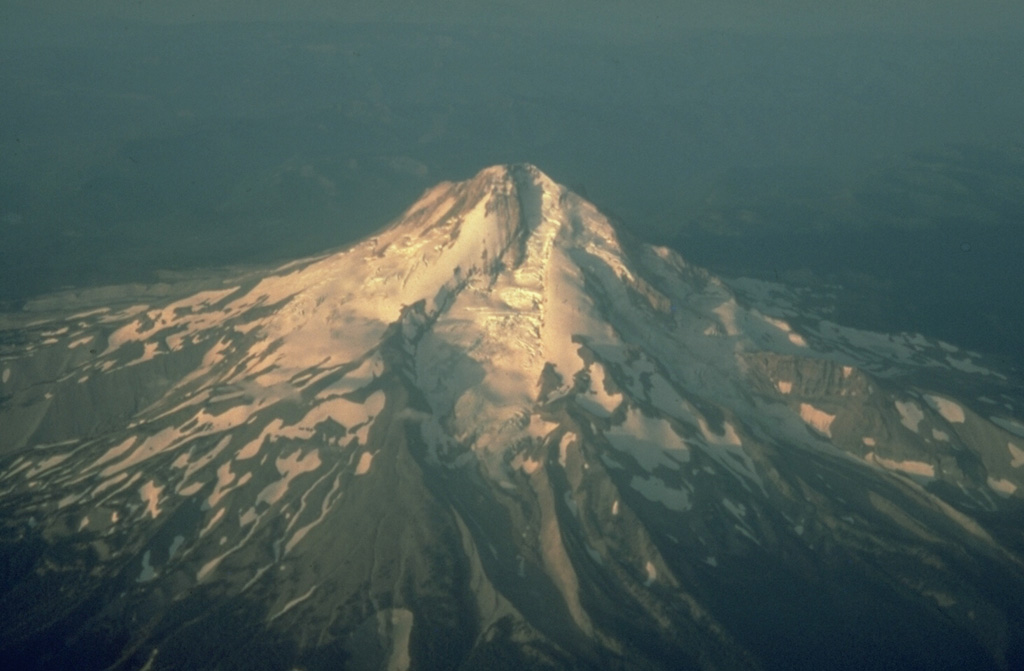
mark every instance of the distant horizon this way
{"type": "Point", "coordinates": [646, 17]}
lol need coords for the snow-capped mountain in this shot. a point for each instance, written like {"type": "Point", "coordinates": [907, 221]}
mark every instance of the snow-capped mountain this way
{"type": "Point", "coordinates": [499, 435]}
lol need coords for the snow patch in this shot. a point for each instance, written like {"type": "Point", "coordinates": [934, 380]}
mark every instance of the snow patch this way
{"type": "Point", "coordinates": [563, 447]}
{"type": "Point", "coordinates": [47, 463]}
{"type": "Point", "coordinates": [797, 340]}
{"type": "Point", "coordinates": [325, 506]}
{"type": "Point", "coordinates": [652, 574]}
{"type": "Point", "coordinates": [597, 400]}
{"type": "Point", "coordinates": [294, 602]}
{"type": "Point", "coordinates": [367, 372]}
{"type": "Point", "coordinates": [217, 516]}
{"type": "Point", "coordinates": [919, 468]}
{"type": "Point", "coordinates": [347, 413]}
{"type": "Point", "coordinates": [780, 324]}
{"type": "Point", "coordinates": [224, 479]}
{"type": "Point", "coordinates": [208, 568]}
{"type": "Point", "coordinates": [817, 419]}
{"type": "Point", "coordinates": [67, 501]}
{"type": "Point", "coordinates": [150, 494]}
{"type": "Point", "coordinates": [149, 352]}
{"type": "Point", "coordinates": [289, 467]}
{"type": "Point", "coordinates": [649, 440]}
{"type": "Point", "coordinates": [1002, 486]}
{"type": "Point", "coordinates": [539, 428]}
{"type": "Point", "coordinates": [794, 338]}
{"type": "Point", "coordinates": [969, 366]}
{"type": "Point", "coordinates": [726, 313]}
{"type": "Point", "coordinates": [949, 410]}
{"type": "Point", "coordinates": [1016, 455]}
{"type": "Point", "coordinates": [116, 451]}
{"type": "Point", "coordinates": [395, 626]}
{"type": "Point", "coordinates": [910, 414]}
{"type": "Point", "coordinates": [365, 461]}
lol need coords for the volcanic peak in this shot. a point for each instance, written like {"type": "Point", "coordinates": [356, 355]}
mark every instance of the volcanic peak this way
{"type": "Point", "coordinates": [506, 218]}
{"type": "Point", "coordinates": [501, 268]}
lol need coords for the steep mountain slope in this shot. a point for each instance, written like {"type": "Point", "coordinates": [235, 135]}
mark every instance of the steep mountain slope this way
{"type": "Point", "coordinates": [498, 435]}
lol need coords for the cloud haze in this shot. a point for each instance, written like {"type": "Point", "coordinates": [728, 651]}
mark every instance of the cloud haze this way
{"type": "Point", "coordinates": [948, 16]}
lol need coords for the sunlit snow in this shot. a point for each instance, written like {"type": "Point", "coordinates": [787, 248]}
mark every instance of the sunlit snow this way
{"type": "Point", "coordinates": [1002, 486]}
{"type": "Point", "coordinates": [150, 493]}
{"type": "Point", "coordinates": [289, 467]}
{"type": "Point", "coordinates": [652, 573]}
{"type": "Point", "coordinates": [820, 420]}
{"type": "Point", "coordinates": [598, 400]}
{"type": "Point", "coordinates": [949, 410]}
{"type": "Point", "coordinates": [365, 461]}
{"type": "Point", "coordinates": [909, 467]}
{"type": "Point", "coordinates": [911, 414]}
{"type": "Point", "coordinates": [1016, 455]}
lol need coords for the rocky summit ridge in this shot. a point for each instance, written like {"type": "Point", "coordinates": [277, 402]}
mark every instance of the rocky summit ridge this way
{"type": "Point", "coordinates": [497, 433]}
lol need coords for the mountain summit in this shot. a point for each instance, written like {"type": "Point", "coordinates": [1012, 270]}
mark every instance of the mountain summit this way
{"type": "Point", "coordinates": [497, 434]}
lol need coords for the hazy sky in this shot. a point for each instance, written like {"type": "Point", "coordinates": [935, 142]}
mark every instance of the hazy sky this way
{"type": "Point", "coordinates": [950, 16]}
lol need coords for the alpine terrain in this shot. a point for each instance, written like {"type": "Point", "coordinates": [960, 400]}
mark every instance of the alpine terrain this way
{"type": "Point", "coordinates": [500, 435]}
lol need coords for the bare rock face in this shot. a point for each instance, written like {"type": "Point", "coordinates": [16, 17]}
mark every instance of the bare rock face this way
{"type": "Point", "coordinates": [498, 435]}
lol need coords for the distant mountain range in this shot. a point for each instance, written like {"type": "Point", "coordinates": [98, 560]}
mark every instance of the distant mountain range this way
{"type": "Point", "coordinates": [500, 434]}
